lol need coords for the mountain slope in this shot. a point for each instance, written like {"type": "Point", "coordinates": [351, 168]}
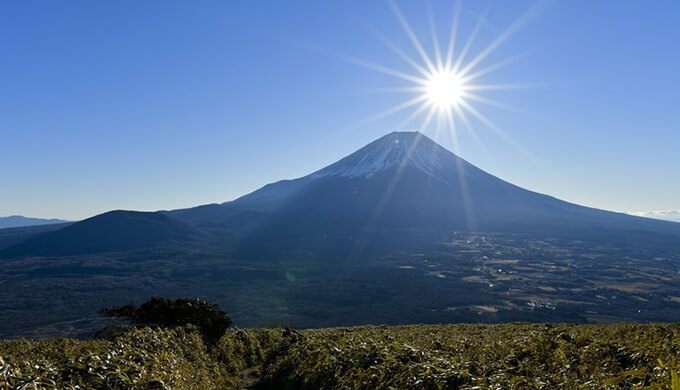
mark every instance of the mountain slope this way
{"type": "Point", "coordinates": [399, 192]}
{"type": "Point", "coordinates": [15, 235]}
{"type": "Point", "coordinates": [405, 184]}
{"type": "Point", "coordinates": [21, 221]}
{"type": "Point", "coordinates": [113, 231]}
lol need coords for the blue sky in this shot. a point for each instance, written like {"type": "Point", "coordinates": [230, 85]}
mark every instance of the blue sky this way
{"type": "Point", "coordinates": [161, 104]}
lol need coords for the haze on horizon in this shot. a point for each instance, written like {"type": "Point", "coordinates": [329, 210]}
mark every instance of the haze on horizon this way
{"type": "Point", "coordinates": [167, 105]}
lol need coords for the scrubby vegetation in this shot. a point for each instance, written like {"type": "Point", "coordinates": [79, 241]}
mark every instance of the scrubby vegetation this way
{"type": "Point", "coordinates": [168, 312]}
{"type": "Point", "coordinates": [508, 356]}
{"type": "Point", "coordinates": [140, 359]}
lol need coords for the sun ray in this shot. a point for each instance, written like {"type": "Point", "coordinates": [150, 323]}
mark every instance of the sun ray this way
{"type": "Point", "coordinates": [471, 39]}
{"type": "Point", "coordinates": [466, 78]}
{"type": "Point", "coordinates": [382, 69]}
{"type": "Point", "coordinates": [451, 123]}
{"type": "Point", "coordinates": [468, 128]}
{"type": "Point", "coordinates": [516, 25]}
{"type": "Point", "coordinates": [419, 110]}
{"type": "Point", "coordinates": [452, 36]}
{"type": "Point", "coordinates": [435, 38]}
{"type": "Point", "coordinates": [462, 181]}
{"type": "Point", "coordinates": [390, 45]}
{"type": "Point", "coordinates": [431, 180]}
{"type": "Point", "coordinates": [450, 120]}
{"type": "Point", "coordinates": [482, 118]}
{"type": "Point", "coordinates": [412, 36]}
{"type": "Point", "coordinates": [493, 126]}
{"type": "Point", "coordinates": [395, 109]}
{"type": "Point", "coordinates": [403, 55]}
{"type": "Point", "coordinates": [366, 64]}
{"type": "Point", "coordinates": [437, 133]}
{"type": "Point", "coordinates": [388, 90]}
{"type": "Point", "coordinates": [438, 125]}
{"type": "Point", "coordinates": [428, 118]}
{"type": "Point", "coordinates": [491, 102]}
{"type": "Point", "coordinates": [463, 118]}
{"type": "Point", "coordinates": [489, 87]}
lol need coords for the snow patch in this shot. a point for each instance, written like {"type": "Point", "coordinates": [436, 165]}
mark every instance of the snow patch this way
{"type": "Point", "coordinates": [398, 149]}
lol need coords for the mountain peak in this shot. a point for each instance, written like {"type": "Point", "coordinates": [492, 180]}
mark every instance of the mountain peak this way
{"type": "Point", "coordinates": [397, 149]}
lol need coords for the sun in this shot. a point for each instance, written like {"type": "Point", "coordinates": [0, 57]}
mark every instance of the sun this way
{"type": "Point", "coordinates": [444, 89]}
{"type": "Point", "coordinates": [446, 84]}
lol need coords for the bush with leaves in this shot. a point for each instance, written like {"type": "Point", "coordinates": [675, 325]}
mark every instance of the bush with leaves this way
{"type": "Point", "coordinates": [167, 312]}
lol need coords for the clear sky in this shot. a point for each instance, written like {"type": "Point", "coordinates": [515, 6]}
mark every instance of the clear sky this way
{"type": "Point", "coordinates": [165, 104]}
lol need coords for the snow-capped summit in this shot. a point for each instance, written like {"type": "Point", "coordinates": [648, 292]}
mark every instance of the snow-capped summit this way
{"type": "Point", "coordinates": [398, 150]}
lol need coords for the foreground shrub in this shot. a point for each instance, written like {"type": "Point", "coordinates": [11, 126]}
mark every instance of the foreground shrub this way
{"type": "Point", "coordinates": [166, 312]}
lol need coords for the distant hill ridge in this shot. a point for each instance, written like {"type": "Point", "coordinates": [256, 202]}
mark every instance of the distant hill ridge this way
{"type": "Point", "coordinates": [21, 221]}
{"type": "Point", "coordinates": [112, 231]}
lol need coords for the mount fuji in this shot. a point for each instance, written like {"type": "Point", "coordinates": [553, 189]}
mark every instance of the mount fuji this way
{"type": "Point", "coordinates": [402, 190]}
{"type": "Point", "coordinates": [405, 187]}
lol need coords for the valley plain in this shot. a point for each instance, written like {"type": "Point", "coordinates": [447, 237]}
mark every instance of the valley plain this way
{"type": "Point", "coordinates": [462, 277]}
